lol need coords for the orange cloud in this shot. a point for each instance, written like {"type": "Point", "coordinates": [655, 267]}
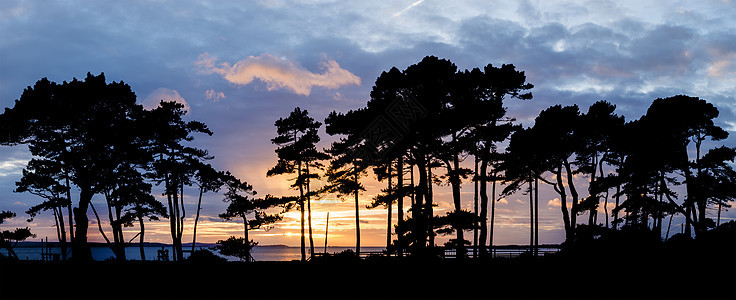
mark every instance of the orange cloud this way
{"type": "Point", "coordinates": [278, 73]}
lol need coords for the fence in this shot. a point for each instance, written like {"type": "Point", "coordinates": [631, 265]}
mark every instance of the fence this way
{"type": "Point", "coordinates": [451, 253]}
{"type": "Point", "coordinates": [504, 251]}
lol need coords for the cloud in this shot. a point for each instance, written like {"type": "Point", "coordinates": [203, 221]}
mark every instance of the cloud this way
{"type": "Point", "coordinates": [398, 14]}
{"type": "Point", "coordinates": [278, 73]}
{"type": "Point", "coordinates": [154, 98]}
{"type": "Point", "coordinates": [12, 166]}
{"type": "Point", "coordinates": [214, 96]}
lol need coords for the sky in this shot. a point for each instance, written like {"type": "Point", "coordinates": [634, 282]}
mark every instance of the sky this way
{"type": "Point", "coordinates": [240, 65]}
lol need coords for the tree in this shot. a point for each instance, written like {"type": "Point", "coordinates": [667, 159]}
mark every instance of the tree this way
{"type": "Point", "coordinates": [426, 114]}
{"type": "Point", "coordinates": [557, 129]}
{"type": "Point", "coordinates": [484, 93]}
{"type": "Point", "coordinates": [208, 180]}
{"type": "Point", "coordinates": [387, 199]}
{"type": "Point", "coordinates": [144, 206]}
{"type": "Point", "coordinates": [717, 178]}
{"type": "Point", "coordinates": [99, 139]}
{"type": "Point", "coordinates": [524, 164]}
{"type": "Point", "coordinates": [343, 177]}
{"type": "Point", "coordinates": [241, 204]}
{"type": "Point", "coordinates": [296, 139]}
{"type": "Point", "coordinates": [238, 247]}
{"type": "Point", "coordinates": [173, 163]}
{"type": "Point", "coordinates": [9, 239]}
{"type": "Point", "coordinates": [70, 123]}
{"type": "Point", "coordinates": [645, 176]}
{"type": "Point", "coordinates": [675, 122]}
{"type": "Point", "coordinates": [595, 132]}
{"type": "Point", "coordinates": [40, 178]}
{"type": "Point", "coordinates": [119, 178]}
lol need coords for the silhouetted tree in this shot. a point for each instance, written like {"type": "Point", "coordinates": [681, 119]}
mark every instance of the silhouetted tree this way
{"type": "Point", "coordinates": [557, 129]}
{"type": "Point", "coordinates": [484, 93]}
{"type": "Point", "coordinates": [594, 133]}
{"type": "Point", "coordinates": [297, 138]}
{"type": "Point", "coordinates": [209, 180]}
{"type": "Point", "coordinates": [525, 164]}
{"type": "Point", "coordinates": [143, 206]}
{"type": "Point", "coordinates": [241, 204]}
{"type": "Point", "coordinates": [41, 178]}
{"type": "Point", "coordinates": [717, 178]}
{"type": "Point", "coordinates": [675, 122]}
{"type": "Point", "coordinates": [173, 163]}
{"type": "Point", "coordinates": [9, 239]}
{"type": "Point", "coordinates": [238, 247]}
{"type": "Point", "coordinates": [387, 198]}
{"type": "Point", "coordinates": [426, 115]}
{"type": "Point", "coordinates": [70, 123]}
{"type": "Point", "coordinates": [343, 177]}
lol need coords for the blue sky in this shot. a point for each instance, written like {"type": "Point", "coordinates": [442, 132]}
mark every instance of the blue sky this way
{"type": "Point", "coordinates": [240, 65]}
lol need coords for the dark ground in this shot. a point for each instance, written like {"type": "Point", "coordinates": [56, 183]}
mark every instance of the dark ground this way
{"type": "Point", "coordinates": [558, 277]}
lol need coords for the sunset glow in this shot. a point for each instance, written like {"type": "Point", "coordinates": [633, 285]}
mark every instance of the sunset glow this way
{"type": "Point", "coordinates": [238, 67]}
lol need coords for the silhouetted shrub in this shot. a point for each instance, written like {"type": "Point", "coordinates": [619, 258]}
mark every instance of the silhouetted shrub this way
{"type": "Point", "coordinates": [205, 256]}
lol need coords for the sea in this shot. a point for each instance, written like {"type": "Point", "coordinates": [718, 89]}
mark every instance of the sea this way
{"type": "Point", "coordinates": [260, 253]}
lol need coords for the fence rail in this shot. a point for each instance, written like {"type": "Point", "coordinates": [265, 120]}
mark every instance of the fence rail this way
{"type": "Point", "coordinates": [451, 253]}
{"type": "Point", "coordinates": [504, 252]}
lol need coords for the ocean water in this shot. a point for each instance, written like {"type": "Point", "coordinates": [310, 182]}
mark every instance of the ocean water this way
{"type": "Point", "coordinates": [260, 253]}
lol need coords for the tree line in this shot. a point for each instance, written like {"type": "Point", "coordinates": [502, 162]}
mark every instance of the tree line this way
{"type": "Point", "coordinates": [92, 135]}
{"type": "Point", "coordinates": [422, 126]}
{"type": "Point", "coordinates": [432, 117]}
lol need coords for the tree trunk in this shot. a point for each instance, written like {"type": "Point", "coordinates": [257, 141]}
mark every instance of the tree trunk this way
{"type": "Point", "coordinates": [56, 223]}
{"type": "Point", "coordinates": [301, 209]}
{"type": "Point", "coordinates": [475, 208]}
{"type": "Point", "coordinates": [196, 219]}
{"type": "Point", "coordinates": [455, 183]}
{"type": "Point", "coordinates": [119, 254]}
{"type": "Point", "coordinates": [327, 230]}
{"type": "Point", "coordinates": [80, 249]}
{"type": "Point", "coordinates": [309, 214]}
{"type": "Point", "coordinates": [615, 212]}
{"type": "Point", "coordinates": [69, 208]}
{"type": "Point", "coordinates": [99, 226]}
{"type": "Point", "coordinates": [180, 230]}
{"type": "Point", "coordinates": [429, 210]}
{"type": "Point", "coordinates": [357, 213]}
{"type": "Point", "coordinates": [418, 209]}
{"type": "Point", "coordinates": [493, 209]}
{"type": "Point", "coordinates": [143, 232]}
{"type": "Point", "coordinates": [400, 206]}
{"type": "Point", "coordinates": [574, 194]}
{"type": "Point", "coordinates": [700, 199]}
{"type": "Point", "coordinates": [62, 234]}
{"type": "Point", "coordinates": [176, 241]}
{"type": "Point", "coordinates": [569, 233]}
{"type": "Point", "coordinates": [388, 217]}
{"type": "Point", "coordinates": [605, 202]}
{"type": "Point", "coordinates": [483, 193]}
{"type": "Point", "coordinates": [593, 212]}
{"type": "Point", "coordinates": [249, 257]}
{"type": "Point", "coordinates": [531, 216]}
{"type": "Point", "coordinates": [121, 234]}
{"type": "Point", "coordinates": [536, 216]}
